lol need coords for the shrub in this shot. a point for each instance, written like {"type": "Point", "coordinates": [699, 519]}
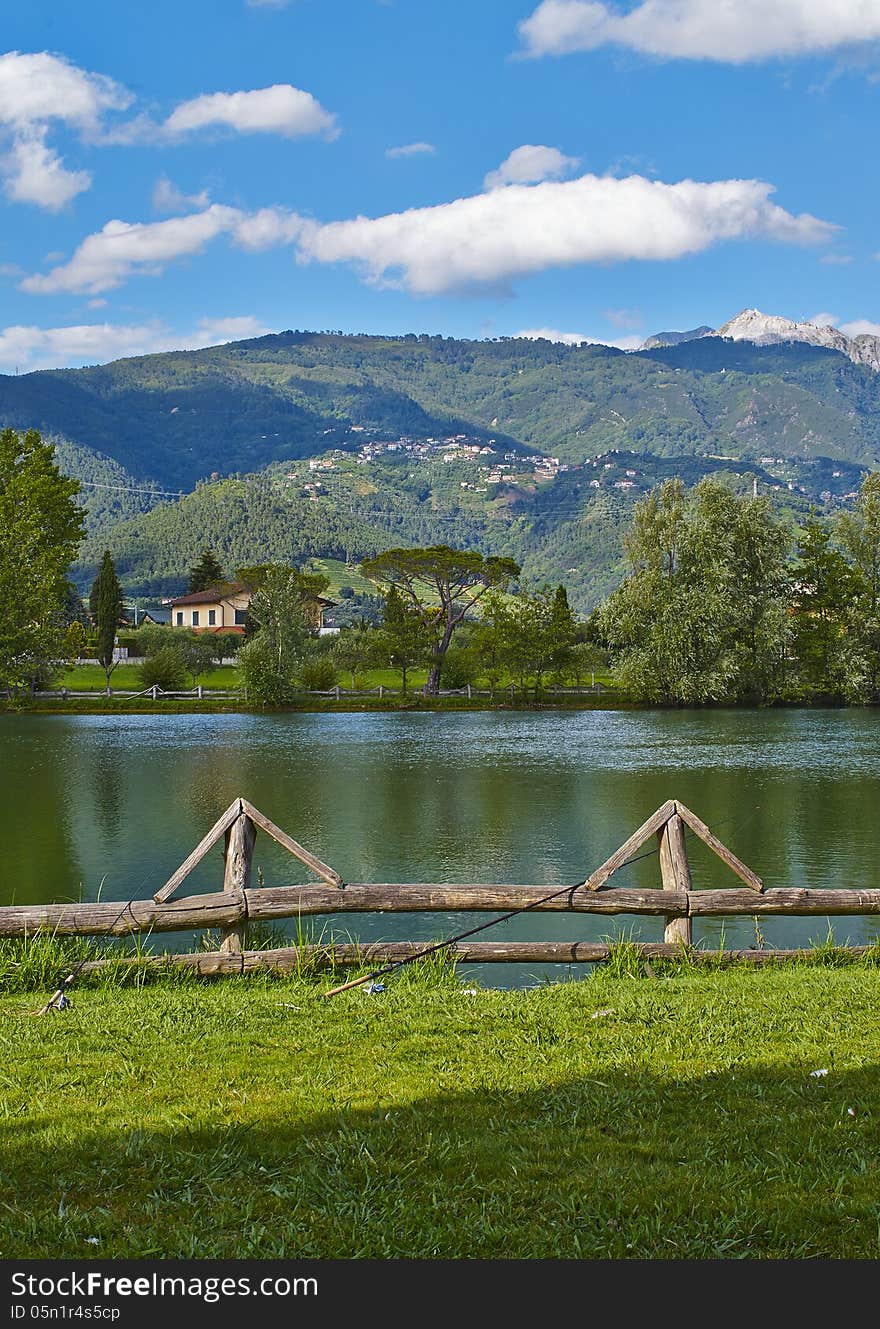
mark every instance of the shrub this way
{"type": "Point", "coordinates": [318, 675]}
{"type": "Point", "coordinates": [165, 668]}
{"type": "Point", "coordinates": [459, 669]}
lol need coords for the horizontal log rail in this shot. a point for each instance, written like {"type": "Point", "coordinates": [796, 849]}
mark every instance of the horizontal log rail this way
{"type": "Point", "coordinates": [117, 919]}
{"type": "Point", "coordinates": [224, 909]}
{"type": "Point", "coordinates": [239, 904]}
{"type": "Point", "coordinates": [295, 959]}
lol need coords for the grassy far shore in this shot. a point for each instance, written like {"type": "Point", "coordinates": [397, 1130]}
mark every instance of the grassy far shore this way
{"type": "Point", "coordinates": [668, 1115]}
{"type": "Point", "coordinates": [91, 678]}
{"type": "Point", "coordinates": [84, 679]}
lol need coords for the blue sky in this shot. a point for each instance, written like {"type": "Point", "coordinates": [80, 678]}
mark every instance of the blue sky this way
{"type": "Point", "coordinates": [177, 174]}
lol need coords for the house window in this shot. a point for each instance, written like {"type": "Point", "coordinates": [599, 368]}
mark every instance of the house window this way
{"type": "Point", "coordinates": [212, 617]}
{"type": "Point", "coordinates": [180, 618]}
{"type": "Point", "coordinates": [195, 618]}
{"type": "Point", "coordinates": [240, 617]}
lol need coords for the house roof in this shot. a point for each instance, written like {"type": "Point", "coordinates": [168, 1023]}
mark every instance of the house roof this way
{"type": "Point", "coordinates": [214, 594]}
{"type": "Point", "coordinates": [217, 593]}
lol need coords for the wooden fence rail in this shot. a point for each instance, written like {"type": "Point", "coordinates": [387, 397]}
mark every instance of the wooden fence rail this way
{"type": "Point", "coordinates": [239, 903]}
{"type": "Point", "coordinates": [156, 693]}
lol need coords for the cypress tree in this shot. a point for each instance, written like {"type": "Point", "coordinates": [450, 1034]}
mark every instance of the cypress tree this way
{"type": "Point", "coordinates": [105, 603]}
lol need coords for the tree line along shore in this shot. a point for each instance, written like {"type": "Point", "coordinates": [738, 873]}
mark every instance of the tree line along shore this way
{"type": "Point", "coordinates": [724, 602]}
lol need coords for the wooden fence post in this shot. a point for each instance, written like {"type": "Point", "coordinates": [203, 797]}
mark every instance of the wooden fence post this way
{"type": "Point", "coordinates": [676, 874]}
{"type": "Point", "coordinates": [238, 854]}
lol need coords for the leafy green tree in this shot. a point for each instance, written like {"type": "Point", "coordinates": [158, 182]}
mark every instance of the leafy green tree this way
{"type": "Point", "coordinates": [105, 603]}
{"type": "Point", "coordinates": [738, 550]}
{"type": "Point", "coordinates": [41, 526]}
{"type": "Point", "coordinates": [153, 637]}
{"type": "Point", "coordinates": [356, 648]}
{"type": "Point", "coordinates": [859, 534]}
{"type": "Point", "coordinates": [270, 660]}
{"type": "Point", "coordinates": [585, 660]}
{"type": "Point", "coordinates": [206, 573]}
{"type": "Point", "coordinates": [531, 634]}
{"type": "Point", "coordinates": [403, 634]}
{"type": "Point", "coordinates": [74, 641]}
{"type": "Point", "coordinates": [198, 651]}
{"type": "Point", "coordinates": [442, 585]}
{"type": "Point", "coordinates": [825, 588]}
{"type": "Point", "coordinates": [702, 615]}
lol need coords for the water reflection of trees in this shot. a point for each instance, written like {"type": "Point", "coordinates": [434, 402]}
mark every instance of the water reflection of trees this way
{"type": "Point", "coordinates": [500, 797]}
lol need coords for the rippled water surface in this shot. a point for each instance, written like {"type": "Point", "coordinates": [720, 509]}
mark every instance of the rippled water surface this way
{"type": "Point", "coordinates": [112, 804]}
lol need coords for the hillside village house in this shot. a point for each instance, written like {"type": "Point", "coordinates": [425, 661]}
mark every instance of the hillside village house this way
{"type": "Point", "coordinates": [225, 608]}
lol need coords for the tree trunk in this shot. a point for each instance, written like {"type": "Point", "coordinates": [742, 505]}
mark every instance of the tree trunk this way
{"type": "Point", "coordinates": [432, 687]}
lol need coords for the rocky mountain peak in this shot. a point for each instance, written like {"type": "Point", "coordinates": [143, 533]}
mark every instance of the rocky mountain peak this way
{"type": "Point", "coordinates": [771, 329]}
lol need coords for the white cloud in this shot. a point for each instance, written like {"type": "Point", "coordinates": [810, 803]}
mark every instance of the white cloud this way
{"type": "Point", "coordinates": [860, 327]}
{"type": "Point", "coordinates": [491, 238]}
{"type": "Point", "coordinates": [34, 173]}
{"type": "Point", "coordinates": [836, 260]}
{"type": "Point", "coordinates": [578, 338]}
{"type": "Point", "coordinates": [30, 347]}
{"type": "Point", "coordinates": [168, 198]}
{"type": "Point", "coordinates": [39, 348]}
{"type": "Point", "coordinates": [824, 320]}
{"type": "Point", "coordinates": [216, 331]}
{"type": "Point", "coordinates": [281, 109]}
{"type": "Point", "coordinates": [529, 165]}
{"type": "Point", "coordinates": [410, 149]}
{"type": "Point", "coordinates": [121, 249]}
{"type": "Point", "coordinates": [266, 228]}
{"type": "Point", "coordinates": [106, 258]}
{"type": "Point", "coordinates": [553, 334]}
{"type": "Point", "coordinates": [35, 90]}
{"type": "Point", "coordinates": [732, 31]}
{"type": "Point", "coordinates": [485, 240]}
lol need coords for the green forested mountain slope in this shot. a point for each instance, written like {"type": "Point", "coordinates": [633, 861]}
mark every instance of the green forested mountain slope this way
{"type": "Point", "coordinates": [563, 526]}
{"type": "Point", "coordinates": [803, 420]}
{"type": "Point", "coordinates": [178, 417]}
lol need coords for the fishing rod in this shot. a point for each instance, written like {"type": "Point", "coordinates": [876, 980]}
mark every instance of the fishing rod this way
{"type": "Point", "coordinates": [394, 965]}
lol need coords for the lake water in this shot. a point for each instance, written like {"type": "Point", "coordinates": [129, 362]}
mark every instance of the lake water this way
{"type": "Point", "coordinates": [111, 805]}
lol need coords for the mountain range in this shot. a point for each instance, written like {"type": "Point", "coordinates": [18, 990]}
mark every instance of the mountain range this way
{"type": "Point", "coordinates": [771, 330]}
{"type": "Point", "coordinates": [553, 443]}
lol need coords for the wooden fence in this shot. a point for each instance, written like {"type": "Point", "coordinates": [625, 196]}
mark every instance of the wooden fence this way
{"type": "Point", "coordinates": [232, 908]}
{"type": "Point", "coordinates": [156, 693]}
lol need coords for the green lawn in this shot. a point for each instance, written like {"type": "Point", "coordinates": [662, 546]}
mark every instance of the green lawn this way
{"type": "Point", "coordinates": [90, 678]}
{"type": "Point", "coordinates": [649, 1116]}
